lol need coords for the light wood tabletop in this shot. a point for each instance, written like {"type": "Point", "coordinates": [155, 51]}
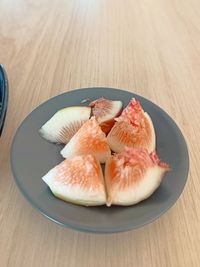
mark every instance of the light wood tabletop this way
{"type": "Point", "coordinates": [151, 48]}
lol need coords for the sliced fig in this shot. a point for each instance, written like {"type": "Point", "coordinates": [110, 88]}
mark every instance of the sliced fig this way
{"type": "Point", "coordinates": [132, 176]}
{"type": "Point", "coordinates": [89, 139]}
{"type": "Point", "coordinates": [65, 123]}
{"type": "Point", "coordinates": [105, 111]}
{"type": "Point", "coordinates": [133, 128]}
{"type": "Point", "coordinates": [78, 180]}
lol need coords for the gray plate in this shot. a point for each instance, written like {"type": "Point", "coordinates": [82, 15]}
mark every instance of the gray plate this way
{"type": "Point", "coordinates": [32, 157]}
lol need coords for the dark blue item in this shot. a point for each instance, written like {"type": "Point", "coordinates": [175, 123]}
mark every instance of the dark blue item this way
{"type": "Point", "coordinates": [3, 96]}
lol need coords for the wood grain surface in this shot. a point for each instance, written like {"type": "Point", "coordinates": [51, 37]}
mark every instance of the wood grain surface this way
{"type": "Point", "coordinates": [148, 47]}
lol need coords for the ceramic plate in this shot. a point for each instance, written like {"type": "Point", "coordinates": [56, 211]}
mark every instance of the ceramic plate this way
{"type": "Point", "coordinates": [3, 96]}
{"type": "Point", "coordinates": [32, 157]}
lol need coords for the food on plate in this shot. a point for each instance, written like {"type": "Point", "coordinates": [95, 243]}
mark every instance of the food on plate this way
{"type": "Point", "coordinates": [132, 176]}
{"type": "Point", "coordinates": [89, 139]}
{"type": "Point", "coordinates": [65, 123]}
{"type": "Point", "coordinates": [105, 111]}
{"type": "Point", "coordinates": [78, 180]}
{"type": "Point", "coordinates": [133, 128]}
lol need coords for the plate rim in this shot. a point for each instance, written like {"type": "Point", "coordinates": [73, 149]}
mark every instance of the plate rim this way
{"type": "Point", "coordinates": [4, 88]}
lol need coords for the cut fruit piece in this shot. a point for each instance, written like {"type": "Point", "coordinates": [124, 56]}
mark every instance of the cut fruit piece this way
{"type": "Point", "coordinates": [88, 140]}
{"type": "Point", "coordinates": [133, 128]}
{"type": "Point", "coordinates": [132, 176]}
{"type": "Point", "coordinates": [105, 111]}
{"type": "Point", "coordinates": [78, 180]}
{"type": "Point", "coordinates": [65, 123]}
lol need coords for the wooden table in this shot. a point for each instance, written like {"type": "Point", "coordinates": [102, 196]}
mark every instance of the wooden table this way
{"type": "Point", "coordinates": [148, 47]}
